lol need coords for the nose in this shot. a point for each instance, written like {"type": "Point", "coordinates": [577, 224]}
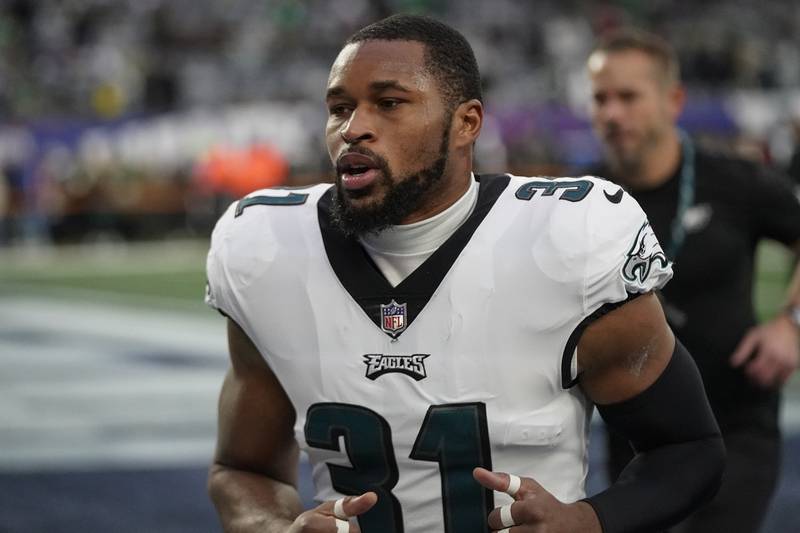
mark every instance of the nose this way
{"type": "Point", "coordinates": [358, 128]}
{"type": "Point", "coordinates": [610, 110]}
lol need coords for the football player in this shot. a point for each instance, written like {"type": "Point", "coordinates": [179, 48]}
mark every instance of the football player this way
{"type": "Point", "coordinates": [435, 340]}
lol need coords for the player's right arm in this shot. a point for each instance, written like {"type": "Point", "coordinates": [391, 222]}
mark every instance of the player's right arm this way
{"type": "Point", "coordinates": [253, 478]}
{"type": "Point", "coordinates": [254, 474]}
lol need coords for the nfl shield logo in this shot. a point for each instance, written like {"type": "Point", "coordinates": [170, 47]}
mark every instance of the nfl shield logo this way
{"type": "Point", "coordinates": [393, 318]}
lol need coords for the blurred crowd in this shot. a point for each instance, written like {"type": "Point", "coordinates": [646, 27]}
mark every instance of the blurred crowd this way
{"type": "Point", "coordinates": [113, 111]}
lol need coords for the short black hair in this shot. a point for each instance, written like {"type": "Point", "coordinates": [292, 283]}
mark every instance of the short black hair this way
{"type": "Point", "coordinates": [448, 55]}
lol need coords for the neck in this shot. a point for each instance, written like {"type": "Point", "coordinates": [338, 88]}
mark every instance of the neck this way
{"type": "Point", "coordinates": [454, 185]}
{"type": "Point", "coordinates": [658, 164]}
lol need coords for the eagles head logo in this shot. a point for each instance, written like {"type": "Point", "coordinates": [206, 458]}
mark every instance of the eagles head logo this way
{"type": "Point", "coordinates": [645, 251]}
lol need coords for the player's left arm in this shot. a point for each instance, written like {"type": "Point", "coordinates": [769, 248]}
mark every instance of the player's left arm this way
{"type": "Point", "coordinates": [647, 387]}
{"type": "Point", "coordinates": [645, 384]}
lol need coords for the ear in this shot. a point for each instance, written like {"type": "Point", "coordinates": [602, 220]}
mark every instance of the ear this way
{"type": "Point", "coordinates": [467, 122]}
{"type": "Point", "coordinates": [676, 98]}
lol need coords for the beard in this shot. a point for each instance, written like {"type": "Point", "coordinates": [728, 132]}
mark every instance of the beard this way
{"type": "Point", "coordinates": [624, 163]}
{"type": "Point", "coordinates": [629, 161]}
{"type": "Point", "coordinates": [404, 195]}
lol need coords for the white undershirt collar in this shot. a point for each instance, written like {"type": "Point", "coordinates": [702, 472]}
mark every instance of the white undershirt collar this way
{"type": "Point", "coordinates": [399, 250]}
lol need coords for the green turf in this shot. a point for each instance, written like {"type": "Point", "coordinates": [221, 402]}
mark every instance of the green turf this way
{"type": "Point", "coordinates": [187, 285]}
{"type": "Point", "coordinates": [773, 275]}
{"type": "Point", "coordinates": [151, 276]}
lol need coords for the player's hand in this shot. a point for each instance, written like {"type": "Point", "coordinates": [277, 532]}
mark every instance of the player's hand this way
{"type": "Point", "coordinates": [774, 349]}
{"type": "Point", "coordinates": [535, 510]}
{"type": "Point", "coordinates": [323, 519]}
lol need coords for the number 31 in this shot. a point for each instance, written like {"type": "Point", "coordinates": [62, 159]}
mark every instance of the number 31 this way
{"type": "Point", "coordinates": [453, 435]}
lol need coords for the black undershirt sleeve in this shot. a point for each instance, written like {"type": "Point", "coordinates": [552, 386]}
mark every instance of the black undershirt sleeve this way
{"type": "Point", "coordinates": [679, 452]}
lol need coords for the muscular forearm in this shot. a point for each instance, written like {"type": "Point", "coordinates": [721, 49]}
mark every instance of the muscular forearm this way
{"type": "Point", "coordinates": [661, 486]}
{"type": "Point", "coordinates": [249, 502]}
{"type": "Point", "coordinates": [680, 454]}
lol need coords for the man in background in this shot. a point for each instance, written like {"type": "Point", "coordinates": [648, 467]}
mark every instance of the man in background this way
{"type": "Point", "coordinates": [709, 212]}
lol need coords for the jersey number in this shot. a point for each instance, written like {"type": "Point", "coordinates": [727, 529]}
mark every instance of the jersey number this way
{"type": "Point", "coordinates": [454, 435]}
{"type": "Point", "coordinates": [573, 191]}
{"type": "Point", "coordinates": [292, 198]}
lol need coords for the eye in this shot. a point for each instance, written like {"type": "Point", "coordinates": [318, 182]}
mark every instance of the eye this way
{"type": "Point", "coordinates": [388, 104]}
{"type": "Point", "coordinates": [338, 110]}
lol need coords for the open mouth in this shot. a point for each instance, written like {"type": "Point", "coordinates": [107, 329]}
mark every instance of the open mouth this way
{"type": "Point", "coordinates": [357, 170]}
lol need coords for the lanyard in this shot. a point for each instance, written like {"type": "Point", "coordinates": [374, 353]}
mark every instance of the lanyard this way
{"type": "Point", "coordinates": [685, 197]}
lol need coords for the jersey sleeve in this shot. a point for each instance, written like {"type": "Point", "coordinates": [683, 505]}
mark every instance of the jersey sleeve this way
{"type": "Point", "coordinates": [775, 207]}
{"type": "Point", "coordinates": [246, 244]}
{"type": "Point", "coordinates": [219, 291]}
{"type": "Point", "coordinates": [624, 256]}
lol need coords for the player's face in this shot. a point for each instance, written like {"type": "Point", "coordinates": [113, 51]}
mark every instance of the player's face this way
{"type": "Point", "coordinates": [633, 108]}
{"type": "Point", "coordinates": [387, 134]}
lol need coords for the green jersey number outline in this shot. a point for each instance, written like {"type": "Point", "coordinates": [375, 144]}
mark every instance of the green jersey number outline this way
{"type": "Point", "coordinates": [572, 191]}
{"type": "Point", "coordinates": [455, 436]}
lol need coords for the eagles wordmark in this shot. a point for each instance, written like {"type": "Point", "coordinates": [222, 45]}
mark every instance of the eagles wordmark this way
{"type": "Point", "coordinates": [410, 365]}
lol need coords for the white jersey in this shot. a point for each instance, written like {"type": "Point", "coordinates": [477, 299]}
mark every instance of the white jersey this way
{"type": "Point", "coordinates": [470, 361]}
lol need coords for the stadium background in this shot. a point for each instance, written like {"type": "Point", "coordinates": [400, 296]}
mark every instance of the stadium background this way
{"type": "Point", "coordinates": [126, 126]}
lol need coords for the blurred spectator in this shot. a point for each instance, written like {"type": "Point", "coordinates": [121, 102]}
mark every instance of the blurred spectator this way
{"type": "Point", "coordinates": [71, 65]}
{"type": "Point", "coordinates": [228, 173]}
{"type": "Point", "coordinates": [101, 58]}
{"type": "Point", "coordinates": [4, 209]}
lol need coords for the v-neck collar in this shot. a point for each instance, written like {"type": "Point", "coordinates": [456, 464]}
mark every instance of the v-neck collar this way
{"type": "Point", "coordinates": [393, 309]}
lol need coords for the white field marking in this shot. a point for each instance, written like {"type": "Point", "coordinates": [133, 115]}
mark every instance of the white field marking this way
{"type": "Point", "coordinates": [98, 320]}
{"type": "Point", "coordinates": [88, 386]}
{"type": "Point", "coordinates": [126, 454]}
